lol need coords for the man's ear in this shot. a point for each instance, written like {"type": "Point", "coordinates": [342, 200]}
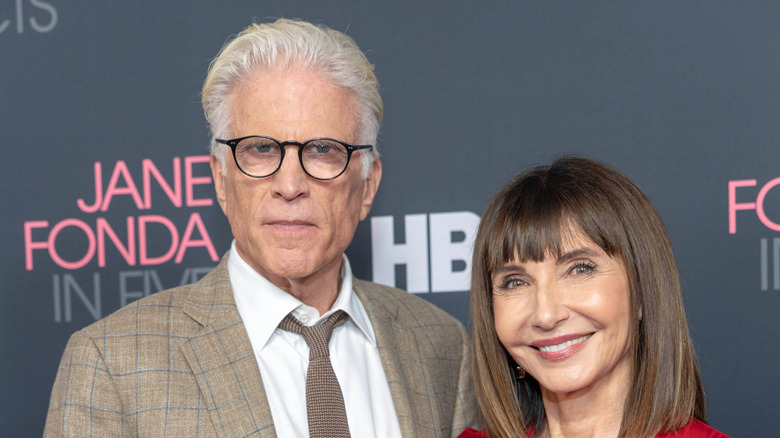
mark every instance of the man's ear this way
{"type": "Point", "coordinates": [370, 186]}
{"type": "Point", "coordinates": [219, 181]}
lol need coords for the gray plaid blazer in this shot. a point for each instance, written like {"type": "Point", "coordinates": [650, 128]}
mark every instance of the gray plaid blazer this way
{"type": "Point", "coordinates": [179, 364]}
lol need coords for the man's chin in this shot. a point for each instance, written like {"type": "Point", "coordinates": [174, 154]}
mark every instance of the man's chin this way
{"type": "Point", "coordinates": [296, 268]}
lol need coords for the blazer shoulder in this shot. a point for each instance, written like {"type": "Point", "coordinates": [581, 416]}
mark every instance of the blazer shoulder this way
{"type": "Point", "coordinates": [405, 308]}
{"type": "Point", "coordinates": [120, 362]}
{"type": "Point", "coordinates": [162, 312]}
{"type": "Point", "coordinates": [128, 318]}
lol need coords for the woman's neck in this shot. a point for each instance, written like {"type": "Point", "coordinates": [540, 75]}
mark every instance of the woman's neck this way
{"type": "Point", "coordinates": [595, 411]}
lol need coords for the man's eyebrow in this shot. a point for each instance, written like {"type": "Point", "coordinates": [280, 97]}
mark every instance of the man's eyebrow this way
{"type": "Point", "coordinates": [580, 252]}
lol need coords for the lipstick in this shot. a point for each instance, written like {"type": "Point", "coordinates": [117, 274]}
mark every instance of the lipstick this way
{"type": "Point", "coordinates": [560, 347]}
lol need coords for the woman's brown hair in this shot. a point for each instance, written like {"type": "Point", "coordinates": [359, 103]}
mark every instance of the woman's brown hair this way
{"type": "Point", "coordinates": [528, 218]}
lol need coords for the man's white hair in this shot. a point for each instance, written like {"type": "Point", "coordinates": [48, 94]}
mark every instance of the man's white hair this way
{"type": "Point", "coordinates": [290, 43]}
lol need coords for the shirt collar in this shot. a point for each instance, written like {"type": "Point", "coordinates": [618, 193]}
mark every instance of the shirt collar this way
{"type": "Point", "coordinates": [262, 305]}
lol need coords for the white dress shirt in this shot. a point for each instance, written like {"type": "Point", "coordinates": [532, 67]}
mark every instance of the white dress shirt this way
{"type": "Point", "coordinates": [283, 356]}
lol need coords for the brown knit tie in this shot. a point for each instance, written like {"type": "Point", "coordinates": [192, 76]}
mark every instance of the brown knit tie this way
{"type": "Point", "coordinates": [324, 401]}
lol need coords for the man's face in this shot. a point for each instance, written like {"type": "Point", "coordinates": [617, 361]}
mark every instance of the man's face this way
{"type": "Point", "coordinates": [290, 227]}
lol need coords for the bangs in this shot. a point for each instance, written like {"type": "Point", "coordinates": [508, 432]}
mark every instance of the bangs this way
{"type": "Point", "coordinates": [533, 222]}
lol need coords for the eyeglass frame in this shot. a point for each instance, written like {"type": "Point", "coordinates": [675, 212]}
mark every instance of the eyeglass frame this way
{"type": "Point", "coordinates": [233, 143]}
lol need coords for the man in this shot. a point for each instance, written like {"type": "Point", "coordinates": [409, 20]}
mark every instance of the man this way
{"type": "Point", "coordinates": [294, 110]}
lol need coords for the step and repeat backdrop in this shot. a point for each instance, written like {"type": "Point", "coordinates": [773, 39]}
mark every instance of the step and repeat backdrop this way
{"type": "Point", "coordinates": [107, 194]}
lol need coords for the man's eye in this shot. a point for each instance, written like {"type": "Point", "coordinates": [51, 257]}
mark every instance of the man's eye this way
{"type": "Point", "coordinates": [321, 148]}
{"type": "Point", "coordinates": [262, 148]}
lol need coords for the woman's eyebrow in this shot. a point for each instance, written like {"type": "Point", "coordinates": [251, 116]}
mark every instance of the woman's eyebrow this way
{"type": "Point", "coordinates": [508, 268]}
{"type": "Point", "coordinates": [580, 252]}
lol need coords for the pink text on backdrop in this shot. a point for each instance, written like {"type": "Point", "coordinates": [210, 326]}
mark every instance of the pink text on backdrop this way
{"type": "Point", "coordinates": [39, 236]}
{"type": "Point", "coordinates": [121, 174]}
{"type": "Point", "coordinates": [133, 250]}
{"type": "Point", "coordinates": [757, 205]}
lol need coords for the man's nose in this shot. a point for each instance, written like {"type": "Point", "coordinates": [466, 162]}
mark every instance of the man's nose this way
{"type": "Point", "coordinates": [290, 181]}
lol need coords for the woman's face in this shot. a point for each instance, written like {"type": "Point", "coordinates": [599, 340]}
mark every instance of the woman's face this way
{"type": "Point", "coordinates": [565, 320]}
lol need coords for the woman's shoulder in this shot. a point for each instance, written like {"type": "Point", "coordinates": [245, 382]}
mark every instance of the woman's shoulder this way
{"type": "Point", "coordinates": [471, 433]}
{"type": "Point", "coordinates": [694, 429]}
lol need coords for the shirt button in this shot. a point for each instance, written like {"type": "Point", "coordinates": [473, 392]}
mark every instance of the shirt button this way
{"type": "Point", "coordinates": [304, 318]}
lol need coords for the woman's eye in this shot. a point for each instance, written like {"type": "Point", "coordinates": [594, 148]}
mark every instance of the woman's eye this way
{"type": "Point", "coordinates": [583, 269]}
{"type": "Point", "coordinates": [512, 283]}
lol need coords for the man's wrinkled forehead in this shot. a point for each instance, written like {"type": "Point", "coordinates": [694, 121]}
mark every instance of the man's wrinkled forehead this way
{"type": "Point", "coordinates": [280, 98]}
{"type": "Point", "coordinates": [274, 87]}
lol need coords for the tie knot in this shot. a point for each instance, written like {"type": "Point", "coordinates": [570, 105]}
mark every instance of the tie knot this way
{"type": "Point", "coordinates": [317, 336]}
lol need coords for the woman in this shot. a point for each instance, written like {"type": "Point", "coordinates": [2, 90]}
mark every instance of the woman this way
{"type": "Point", "coordinates": [578, 326]}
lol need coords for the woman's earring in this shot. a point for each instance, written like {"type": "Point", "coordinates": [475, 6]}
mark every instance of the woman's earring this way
{"type": "Point", "coordinates": [519, 373]}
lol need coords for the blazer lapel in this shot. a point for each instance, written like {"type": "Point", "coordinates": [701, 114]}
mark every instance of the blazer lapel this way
{"type": "Point", "coordinates": [393, 344]}
{"type": "Point", "coordinates": [223, 362]}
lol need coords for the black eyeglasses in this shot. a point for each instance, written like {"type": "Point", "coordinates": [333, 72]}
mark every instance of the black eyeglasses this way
{"type": "Point", "coordinates": [259, 156]}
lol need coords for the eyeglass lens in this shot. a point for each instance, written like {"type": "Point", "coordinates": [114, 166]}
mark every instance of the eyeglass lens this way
{"type": "Point", "coordinates": [320, 158]}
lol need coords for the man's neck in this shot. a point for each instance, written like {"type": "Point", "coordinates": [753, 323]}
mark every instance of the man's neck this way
{"type": "Point", "coordinates": [318, 289]}
{"type": "Point", "coordinates": [319, 293]}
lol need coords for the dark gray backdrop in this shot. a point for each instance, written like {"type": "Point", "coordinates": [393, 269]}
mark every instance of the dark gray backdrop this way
{"type": "Point", "coordinates": [681, 96]}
